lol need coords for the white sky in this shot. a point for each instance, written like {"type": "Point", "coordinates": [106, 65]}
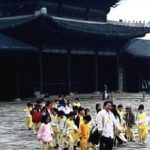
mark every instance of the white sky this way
{"type": "Point", "coordinates": [129, 10]}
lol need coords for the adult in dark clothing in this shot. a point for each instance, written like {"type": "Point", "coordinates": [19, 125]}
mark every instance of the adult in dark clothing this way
{"type": "Point", "coordinates": [105, 90]}
{"type": "Point", "coordinates": [79, 118]}
{"type": "Point", "coordinates": [64, 101]}
{"type": "Point", "coordinates": [129, 117]}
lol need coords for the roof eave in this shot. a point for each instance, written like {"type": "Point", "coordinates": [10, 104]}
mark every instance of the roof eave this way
{"type": "Point", "coordinates": [58, 27]}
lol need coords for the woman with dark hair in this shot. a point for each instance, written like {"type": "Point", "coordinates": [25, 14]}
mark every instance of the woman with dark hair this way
{"type": "Point", "coordinates": [120, 137]}
{"type": "Point", "coordinates": [98, 107]}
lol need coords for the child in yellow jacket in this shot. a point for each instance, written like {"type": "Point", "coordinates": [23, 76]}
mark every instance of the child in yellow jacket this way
{"type": "Point", "coordinates": [61, 125]}
{"type": "Point", "coordinates": [84, 132]}
{"type": "Point", "coordinates": [142, 124]}
{"type": "Point", "coordinates": [71, 132]}
{"type": "Point", "coordinates": [54, 124]}
{"type": "Point", "coordinates": [28, 110]}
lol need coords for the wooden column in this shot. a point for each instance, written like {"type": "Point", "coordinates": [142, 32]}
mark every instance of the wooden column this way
{"type": "Point", "coordinates": [96, 71]}
{"type": "Point", "coordinates": [18, 77]}
{"type": "Point", "coordinates": [119, 75]}
{"type": "Point", "coordinates": [139, 78]}
{"type": "Point", "coordinates": [124, 78]}
{"type": "Point", "coordinates": [69, 70]}
{"type": "Point", "coordinates": [41, 38]}
{"type": "Point", "coordinates": [41, 70]}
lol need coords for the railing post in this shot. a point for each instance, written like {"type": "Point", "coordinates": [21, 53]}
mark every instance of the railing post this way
{"type": "Point", "coordinates": [143, 96]}
{"type": "Point", "coordinates": [112, 96]}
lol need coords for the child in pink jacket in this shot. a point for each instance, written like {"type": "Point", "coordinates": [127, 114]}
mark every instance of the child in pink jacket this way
{"type": "Point", "coordinates": [45, 133]}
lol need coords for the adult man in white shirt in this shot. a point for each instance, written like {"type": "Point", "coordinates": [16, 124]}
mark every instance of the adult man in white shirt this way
{"type": "Point", "coordinates": [106, 123]}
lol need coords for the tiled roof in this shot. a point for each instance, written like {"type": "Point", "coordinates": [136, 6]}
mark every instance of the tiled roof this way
{"type": "Point", "coordinates": [8, 43]}
{"type": "Point", "coordinates": [76, 27]}
{"type": "Point", "coordinates": [102, 28]}
{"type": "Point", "coordinates": [139, 48]}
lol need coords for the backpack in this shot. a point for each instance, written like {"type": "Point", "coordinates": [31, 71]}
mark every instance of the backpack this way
{"type": "Point", "coordinates": [94, 137]}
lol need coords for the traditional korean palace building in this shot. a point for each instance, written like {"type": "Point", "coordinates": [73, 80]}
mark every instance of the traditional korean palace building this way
{"type": "Point", "coordinates": [68, 47]}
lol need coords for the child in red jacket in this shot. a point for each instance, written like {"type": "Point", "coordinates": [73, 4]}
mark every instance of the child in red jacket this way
{"type": "Point", "coordinates": [36, 118]}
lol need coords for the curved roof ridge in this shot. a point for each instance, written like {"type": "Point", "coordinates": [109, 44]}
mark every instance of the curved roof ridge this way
{"type": "Point", "coordinates": [16, 17]}
{"type": "Point", "coordinates": [78, 20]}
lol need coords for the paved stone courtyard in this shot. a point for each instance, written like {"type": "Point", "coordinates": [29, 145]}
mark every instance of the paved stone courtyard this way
{"type": "Point", "coordinates": [14, 135]}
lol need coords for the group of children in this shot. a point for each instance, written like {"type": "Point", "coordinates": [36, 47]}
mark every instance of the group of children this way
{"type": "Point", "coordinates": [64, 125]}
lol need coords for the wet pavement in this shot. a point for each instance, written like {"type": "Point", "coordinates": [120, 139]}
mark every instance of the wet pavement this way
{"type": "Point", "coordinates": [15, 136]}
